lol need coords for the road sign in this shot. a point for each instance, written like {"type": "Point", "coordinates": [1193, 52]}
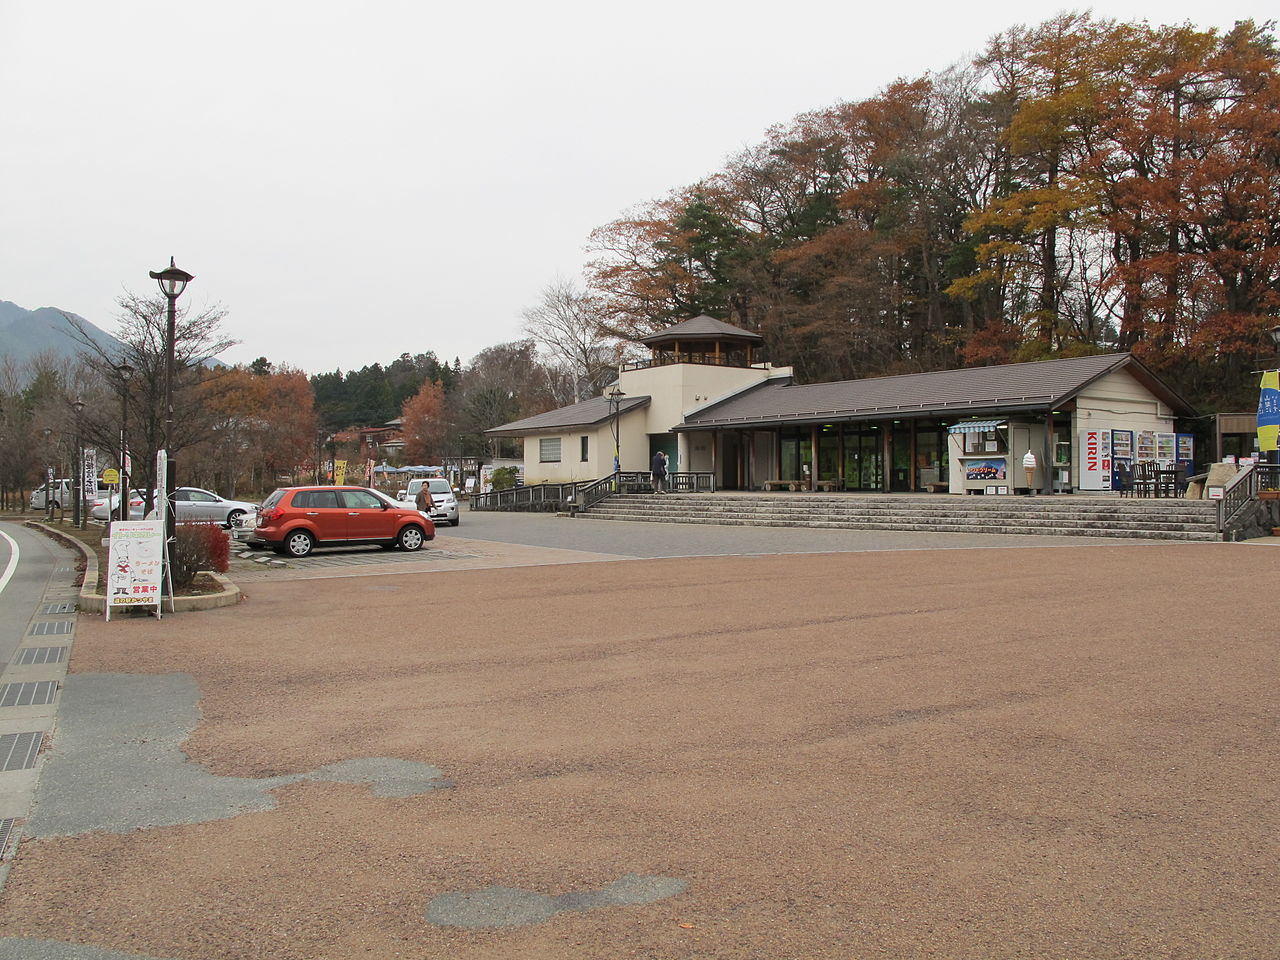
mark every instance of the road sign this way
{"type": "Point", "coordinates": [111, 475]}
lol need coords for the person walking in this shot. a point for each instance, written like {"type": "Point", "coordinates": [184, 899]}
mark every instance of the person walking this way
{"type": "Point", "coordinates": [658, 471]}
{"type": "Point", "coordinates": [1029, 465]}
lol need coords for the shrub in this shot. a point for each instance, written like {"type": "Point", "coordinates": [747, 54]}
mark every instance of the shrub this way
{"type": "Point", "coordinates": [504, 478]}
{"type": "Point", "coordinates": [199, 546]}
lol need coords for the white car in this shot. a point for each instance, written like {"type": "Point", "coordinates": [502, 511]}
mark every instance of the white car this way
{"type": "Point", "coordinates": [444, 502]}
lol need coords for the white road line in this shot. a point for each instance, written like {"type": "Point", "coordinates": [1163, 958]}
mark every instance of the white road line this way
{"type": "Point", "coordinates": [13, 561]}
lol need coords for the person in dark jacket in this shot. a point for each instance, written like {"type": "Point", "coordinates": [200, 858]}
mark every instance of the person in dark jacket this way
{"type": "Point", "coordinates": [658, 468]}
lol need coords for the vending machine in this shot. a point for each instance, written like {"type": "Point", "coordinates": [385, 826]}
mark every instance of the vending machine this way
{"type": "Point", "coordinates": [1121, 455]}
{"type": "Point", "coordinates": [1186, 451]}
{"type": "Point", "coordinates": [1095, 460]}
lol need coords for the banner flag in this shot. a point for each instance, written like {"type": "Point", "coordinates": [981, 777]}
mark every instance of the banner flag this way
{"type": "Point", "coordinates": [1269, 411]}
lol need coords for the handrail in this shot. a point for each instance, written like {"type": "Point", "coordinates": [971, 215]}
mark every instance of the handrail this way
{"type": "Point", "coordinates": [538, 496]}
{"type": "Point", "coordinates": [1242, 490]}
{"type": "Point", "coordinates": [586, 493]}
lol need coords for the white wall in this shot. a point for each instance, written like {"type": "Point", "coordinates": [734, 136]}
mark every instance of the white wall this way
{"type": "Point", "coordinates": [1116, 402]}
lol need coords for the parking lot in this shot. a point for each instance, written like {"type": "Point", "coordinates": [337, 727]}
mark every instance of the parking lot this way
{"type": "Point", "coordinates": [884, 751]}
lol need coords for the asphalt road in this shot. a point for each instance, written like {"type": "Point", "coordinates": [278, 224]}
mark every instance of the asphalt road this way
{"type": "Point", "coordinates": [27, 560]}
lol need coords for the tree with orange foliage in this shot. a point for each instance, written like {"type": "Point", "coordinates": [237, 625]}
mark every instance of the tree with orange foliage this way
{"type": "Point", "coordinates": [423, 423]}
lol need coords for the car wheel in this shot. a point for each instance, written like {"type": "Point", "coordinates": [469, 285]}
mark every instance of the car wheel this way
{"type": "Point", "coordinates": [411, 538]}
{"type": "Point", "coordinates": [299, 543]}
{"type": "Point", "coordinates": [233, 517]}
{"type": "Point", "coordinates": [455, 522]}
{"type": "Point", "coordinates": [54, 505]}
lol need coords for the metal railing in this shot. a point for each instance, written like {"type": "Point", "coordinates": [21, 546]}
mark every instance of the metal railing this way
{"type": "Point", "coordinates": [1243, 490]}
{"type": "Point", "coordinates": [538, 496]}
{"type": "Point", "coordinates": [587, 493]}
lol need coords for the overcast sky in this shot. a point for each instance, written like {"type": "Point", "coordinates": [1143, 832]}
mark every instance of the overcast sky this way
{"type": "Point", "coordinates": [355, 180]}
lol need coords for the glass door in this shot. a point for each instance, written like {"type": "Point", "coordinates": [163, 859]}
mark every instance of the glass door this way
{"type": "Point", "coordinates": [863, 457]}
{"type": "Point", "coordinates": [900, 454]}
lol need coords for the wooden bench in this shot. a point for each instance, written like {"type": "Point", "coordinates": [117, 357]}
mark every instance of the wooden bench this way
{"type": "Point", "coordinates": [830, 486]}
{"type": "Point", "coordinates": [792, 485]}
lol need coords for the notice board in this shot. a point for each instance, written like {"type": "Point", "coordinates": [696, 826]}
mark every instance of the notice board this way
{"type": "Point", "coordinates": [135, 564]}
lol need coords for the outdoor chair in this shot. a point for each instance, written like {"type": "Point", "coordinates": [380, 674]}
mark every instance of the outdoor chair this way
{"type": "Point", "coordinates": [1124, 479]}
{"type": "Point", "coordinates": [1144, 479]}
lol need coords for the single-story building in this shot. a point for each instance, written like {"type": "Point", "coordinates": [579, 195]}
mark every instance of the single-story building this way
{"type": "Point", "coordinates": [704, 398]}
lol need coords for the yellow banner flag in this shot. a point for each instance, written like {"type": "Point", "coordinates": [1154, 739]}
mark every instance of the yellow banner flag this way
{"type": "Point", "coordinates": [1269, 411]}
{"type": "Point", "coordinates": [339, 472]}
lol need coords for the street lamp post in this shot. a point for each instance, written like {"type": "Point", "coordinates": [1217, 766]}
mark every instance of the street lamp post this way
{"type": "Point", "coordinates": [125, 371]}
{"type": "Point", "coordinates": [77, 514]}
{"type": "Point", "coordinates": [172, 281]}
{"type": "Point", "coordinates": [615, 405]}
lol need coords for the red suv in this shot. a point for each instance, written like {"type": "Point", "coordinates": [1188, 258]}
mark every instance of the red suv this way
{"type": "Point", "coordinates": [295, 520]}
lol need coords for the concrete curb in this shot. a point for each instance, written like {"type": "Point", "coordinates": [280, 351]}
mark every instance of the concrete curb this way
{"type": "Point", "coordinates": [93, 602]}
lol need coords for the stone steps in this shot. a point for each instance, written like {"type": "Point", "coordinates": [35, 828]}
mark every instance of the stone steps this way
{"type": "Point", "coordinates": [1046, 516]}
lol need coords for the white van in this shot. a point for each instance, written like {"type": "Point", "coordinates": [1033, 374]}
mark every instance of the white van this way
{"type": "Point", "coordinates": [60, 492]}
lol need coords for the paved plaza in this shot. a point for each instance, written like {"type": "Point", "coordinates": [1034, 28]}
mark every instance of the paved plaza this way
{"type": "Point", "coordinates": [552, 739]}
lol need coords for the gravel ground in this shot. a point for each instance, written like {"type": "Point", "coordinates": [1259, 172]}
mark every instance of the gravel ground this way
{"type": "Point", "coordinates": [1059, 752]}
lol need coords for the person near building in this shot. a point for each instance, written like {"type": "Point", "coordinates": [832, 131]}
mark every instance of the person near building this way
{"type": "Point", "coordinates": [1029, 465]}
{"type": "Point", "coordinates": [658, 470]}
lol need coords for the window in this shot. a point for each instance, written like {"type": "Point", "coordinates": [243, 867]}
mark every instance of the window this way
{"type": "Point", "coordinates": [360, 500]}
{"type": "Point", "coordinates": [584, 450]}
{"type": "Point", "coordinates": [549, 450]}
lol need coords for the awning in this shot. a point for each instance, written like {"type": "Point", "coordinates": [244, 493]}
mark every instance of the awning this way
{"type": "Point", "coordinates": [976, 426]}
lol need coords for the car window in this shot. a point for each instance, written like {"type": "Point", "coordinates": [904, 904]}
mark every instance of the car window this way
{"type": "Point", "coordinates": [361, 500]}
{"type": "Point", "coordinates": [199, 496]}
{"type": "Point", "coordinates": [439, 486]}
{"type": "Point", "coordinates": [181, 495]}
{"type": "Point", "coordinates": [272, 500]}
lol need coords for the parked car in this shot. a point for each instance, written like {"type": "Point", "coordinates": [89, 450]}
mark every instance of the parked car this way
{"type": "Point", "coordinates": [194, 504]}
{"type": "Point", "coordinates": [191, 505]}
{"type": "Point", "coordinates": [295, 520]}
{"type": "Point", "coordinates": [63, 494]}
{"type": "Point", "coordinates": [104, 507]}
{"type": "Point", "coordinates": [52, 494]}
{"type": "Point", "coordinates": [444, 501]}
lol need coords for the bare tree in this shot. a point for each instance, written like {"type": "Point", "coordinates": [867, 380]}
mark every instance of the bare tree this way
{"type": "Point", "coordinates": [567, 324]}
{"type": "Point", "coordinates": [142, 330]}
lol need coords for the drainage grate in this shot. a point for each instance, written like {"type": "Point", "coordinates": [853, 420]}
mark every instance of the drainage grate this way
{"type": "Point", "coordinates": [30, 694]}
{"type": "Point", "coordinates": [28, 656]}
{"type": "Point", "coordinates": [52, 608]}
{"type": "Point", "coordinates": [6, 836]}
{"type": "Point", "coordinates": [18, 750]}
{"type": "Point", "coordinates": [50, 628]}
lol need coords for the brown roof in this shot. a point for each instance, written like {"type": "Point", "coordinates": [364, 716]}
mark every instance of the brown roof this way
{"type": "Point", "coordinates": [702, 328]}
{"type": "Point", "coordinates": [589, 413]}
{"type": "Point", "coordinates": [1043, 385]}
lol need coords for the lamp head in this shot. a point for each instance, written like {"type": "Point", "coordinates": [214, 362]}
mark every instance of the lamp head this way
{"type": "Point", "coordinates": [1275, 335]}
{"type": "Point", "coordinates": [173, 280]}
{"type": "Point", "coordinates": [125, 370]}
{"type": "Point", "coordinates": [78, 405]}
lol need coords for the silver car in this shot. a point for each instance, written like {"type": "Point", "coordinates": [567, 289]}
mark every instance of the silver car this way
{"type": "Point", "coordinates": [191, 504]}
{"type": "Point", "coordinates": [444, 502]}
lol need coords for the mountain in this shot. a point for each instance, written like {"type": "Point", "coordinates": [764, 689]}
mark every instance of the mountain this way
{"type": "Point", "coordinates": [24, 333]}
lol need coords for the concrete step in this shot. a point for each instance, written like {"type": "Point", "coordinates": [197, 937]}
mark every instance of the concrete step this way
{"type": "Point", "coordinates": [1065, 516]}
{"type": "Point", "coordinates": [936, 526]}
{"type": "Point", "coordinates": [1186, 516]}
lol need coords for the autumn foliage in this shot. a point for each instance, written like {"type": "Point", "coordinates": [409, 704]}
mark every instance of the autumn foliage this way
{"type": "Point", "coordinates": [1084, 185]}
